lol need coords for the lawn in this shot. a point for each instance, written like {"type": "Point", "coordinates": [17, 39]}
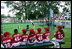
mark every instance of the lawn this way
{"type": "Point", "coordinates": [20, 26]}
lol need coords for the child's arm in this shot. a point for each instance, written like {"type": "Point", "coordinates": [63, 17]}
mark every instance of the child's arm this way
{"type": "Point", "coordinates": [48, 35]}
{"type": "Point", "coordinates": [54, 34]}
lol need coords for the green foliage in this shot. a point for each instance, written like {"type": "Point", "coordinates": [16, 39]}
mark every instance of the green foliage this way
{"type": "Point", "coordinates": [18, 14]}
{"type": "Point", "coordinates": [27, 6]}
{"type": "Point", "coordinates": [2, 15]}
{"type": "Point", "coordinates": [34, 7]}
{"type": "Point", "coordinates": [56, 11]}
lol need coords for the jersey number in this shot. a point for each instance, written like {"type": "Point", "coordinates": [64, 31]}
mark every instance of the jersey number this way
{"type": "Point", "coordinates": [40, 38]}
{"type": "Point", "coordinates": [17, 39]}
{"type": "Point", "coordinates": [60, 36]}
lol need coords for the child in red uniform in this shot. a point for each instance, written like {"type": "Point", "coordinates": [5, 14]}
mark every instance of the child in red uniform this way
{"type": "Point", "coordinates": [7, 41]}
{"type": "Point", "coordinates": [59, 34]}
{"type": "Point", "coordinates": [46, 35]}
{"type": "Point", "coordinates": [16, 38]}
{"type": "Point", "coordinates": [2, 36]}
{"type": "Point", "coordinates": [39, 36]}
{"type": "Point", "coordinates": [32, 37]}
{"type": "Point", "coordinates": [24, 37]}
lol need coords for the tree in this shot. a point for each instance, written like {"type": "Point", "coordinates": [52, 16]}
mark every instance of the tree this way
{"type": "Point", "coordinates": [67, 7]}
{"type": "Point", "coordinates": [33, 7]}
{"type": "Point", "coordinates": [2, 15]}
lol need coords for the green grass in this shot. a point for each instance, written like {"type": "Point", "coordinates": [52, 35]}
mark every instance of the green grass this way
{"type": "Point", "coordinates": [11, 27]}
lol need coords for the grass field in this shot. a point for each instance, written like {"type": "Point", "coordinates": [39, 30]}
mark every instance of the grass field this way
{"type": "Point", "coordinates": [11, 27]}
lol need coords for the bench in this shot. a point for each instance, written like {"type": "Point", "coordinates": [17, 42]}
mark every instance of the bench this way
{"type": "Point", "coordinates": [41, 45]}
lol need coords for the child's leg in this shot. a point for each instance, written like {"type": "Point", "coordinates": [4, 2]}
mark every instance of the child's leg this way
{"type": "Point", "coordinates": [2, 46]}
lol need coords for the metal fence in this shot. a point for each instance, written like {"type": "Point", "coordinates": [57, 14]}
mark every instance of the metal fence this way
{"type": "Point", "coordinates": [66, 23]}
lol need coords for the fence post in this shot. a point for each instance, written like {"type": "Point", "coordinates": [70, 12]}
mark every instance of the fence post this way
{"type": "Point", "coordinates": [51, 20]}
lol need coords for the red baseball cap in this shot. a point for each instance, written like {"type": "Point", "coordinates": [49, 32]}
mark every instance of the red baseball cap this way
{"type": "Point", "coordinates": [24, 30]}
{"type": "Point", "coordinates": [39, 29]}
{"type": "Point", "coordinates": [32, 31]}
{"type": "Point", "coordinates": [46, 28]}
{"type": "Point", "coordinates": [59, 26]}
{"type": "Point", "coordinates": [6, 33]}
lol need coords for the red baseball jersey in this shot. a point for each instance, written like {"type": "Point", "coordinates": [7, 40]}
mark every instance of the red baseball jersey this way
{"type": "Point", "coordinates": [24, 37]}
{"type": "Point", "coordinates": [7, 42]}
{"type": "Point", "coordinates": [45, 35]}
{"type": "Point", "coordinates": [59, 35]}
{"type": "Point", "coordinates": [39, 36]}
{"type": "Point", "coordinates": [16, 38]}
{"type": "Point", "coordinates": [32, 38]}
